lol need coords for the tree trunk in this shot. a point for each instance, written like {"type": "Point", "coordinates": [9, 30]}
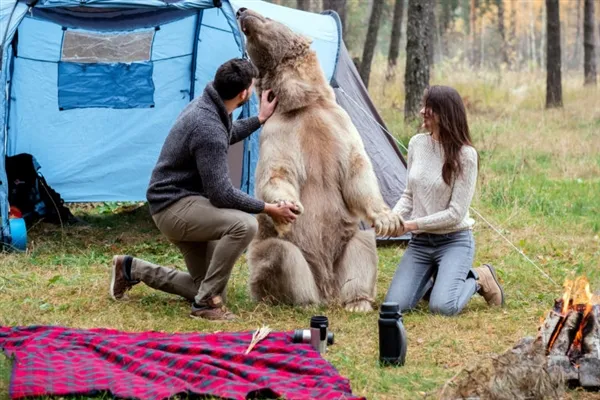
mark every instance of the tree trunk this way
{"type": "Point", "coordinates": [446, 22]}
{"type": "Point", "coordinates": [578, 44]}
{"type": "Point", "coordinates": [544, 40]}
{"type": "Point", "coordinates": [416, 75]}
{"type": "Point", "coordinates": [532, 38]}
{"type": "Point", "coordinates": [473, 31]}
{"type": "Point", "coordinates": [553, 57]}
{"type": "Point", "coordinates": [513, 28]}
{"type": "Point", "coordinates": [447, 16]}
{"type": "Point", "coordinates": [339, 6]}
{"type": "Point", "coordinates": [589, 45]}
{"type": "Point", "coordinates": [395, 39]}
{"type": "Point", "coordinates": [438, 40]}
{"type": "Point", "coordinates": [371, 41]}
{"type": "Point", "coordinates": [430, 32]}
{"type": "Point", "coordinates": [303, 5]}
{"type": "Point", "coordinates": [481, 49]}
{"type": "Point", "coordinates": [501, 31]}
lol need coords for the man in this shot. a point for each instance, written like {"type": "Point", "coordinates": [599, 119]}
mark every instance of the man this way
{"type": "Point", "coordinates": [193, 202]}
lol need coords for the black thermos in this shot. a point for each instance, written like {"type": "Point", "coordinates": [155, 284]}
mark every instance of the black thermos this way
{"type": "Point", "coordinates": [392, 336]}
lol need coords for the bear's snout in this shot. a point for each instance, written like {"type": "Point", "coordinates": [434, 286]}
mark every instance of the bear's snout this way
{"type": "Point", "coordinates": [240, 12]}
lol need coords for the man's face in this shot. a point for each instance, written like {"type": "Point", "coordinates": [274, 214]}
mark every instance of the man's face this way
{"type": "Point", "coordinates": [246, 94]}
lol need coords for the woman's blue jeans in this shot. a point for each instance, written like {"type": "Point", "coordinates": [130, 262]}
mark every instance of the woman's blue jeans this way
{"type": "Point", "coordinates": [444, 260]}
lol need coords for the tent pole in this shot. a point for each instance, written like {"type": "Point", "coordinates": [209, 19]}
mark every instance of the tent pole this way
{"type": "Point", "coordinates": [195, 55]}
{"type": "Point", "coordinates": [30, 4]}
{"type": "Point", "coordinates": [6, 33]}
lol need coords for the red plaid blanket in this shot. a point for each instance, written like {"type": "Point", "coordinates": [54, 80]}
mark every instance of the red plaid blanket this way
{"type": "Point", "coordinates": [153, 365]}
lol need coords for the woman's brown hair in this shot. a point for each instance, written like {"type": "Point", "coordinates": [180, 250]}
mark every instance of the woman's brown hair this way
{"type": "Point", "coordinates": [447, 104]}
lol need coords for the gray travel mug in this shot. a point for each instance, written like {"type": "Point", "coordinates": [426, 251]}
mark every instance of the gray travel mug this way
{"type": "Point", "coordinates": [318, 333]}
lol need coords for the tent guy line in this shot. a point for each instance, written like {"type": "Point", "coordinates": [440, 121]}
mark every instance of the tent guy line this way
{"type": "Point", "coordinates": [515, 247]}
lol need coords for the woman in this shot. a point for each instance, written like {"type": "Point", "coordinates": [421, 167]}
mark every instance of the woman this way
{"type": "Point", "coordinates": [442, 173]}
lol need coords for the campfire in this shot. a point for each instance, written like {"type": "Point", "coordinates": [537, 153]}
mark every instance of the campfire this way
{"type": "Point", "coordinates": [570, 334]}
{"type": "Point", "coordinates": [564, 353]}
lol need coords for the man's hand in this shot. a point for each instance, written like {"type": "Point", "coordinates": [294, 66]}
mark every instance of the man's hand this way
{"type": "Point", "coordinates": [282, 213]}
{"type": "Point", "coordinates": [266, 107]}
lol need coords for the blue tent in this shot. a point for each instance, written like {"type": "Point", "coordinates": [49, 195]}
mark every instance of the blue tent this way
{"type": "Point", "coordinates": [91, 88]}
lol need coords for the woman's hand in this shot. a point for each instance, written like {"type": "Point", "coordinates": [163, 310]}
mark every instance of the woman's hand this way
{"type": "Point", "coordinates": [409, 226]}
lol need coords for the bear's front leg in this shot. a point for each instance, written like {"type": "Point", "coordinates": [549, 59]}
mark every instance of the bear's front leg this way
{"type": "Point", "coordinates": [278, 183]}
{"type": "Point", "coordinates": [363, 197]}
{"type": "Point", "coordinates": [281, 192]}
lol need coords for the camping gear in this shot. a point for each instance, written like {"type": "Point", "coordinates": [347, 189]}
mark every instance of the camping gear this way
{"type": "Point", "coordinates": [60, 361]}
{"type": "Point", "coordinates": [392, 336]}
{"type": "Point", "coordinates": [31, 195]}
{"type": "Point", "coordinates": [318, 333]}
{"type": "Point", "coordinates": [14, 212]}
{"type": "Point", "coordinates": [304, 335]}
{"type": "Point", "coordinates": [19, 233]}
{"type": "Point", "coordinates": [94, 87]}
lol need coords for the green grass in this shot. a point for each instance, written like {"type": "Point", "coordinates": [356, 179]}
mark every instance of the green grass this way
{"type": "Point", "coordinates": [538, 185]}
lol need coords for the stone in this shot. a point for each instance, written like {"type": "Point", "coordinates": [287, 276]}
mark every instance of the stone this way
{"type": "Point", "coordinates": [591, 339]}
{"type": "Point", "coordinates": [589, 373]}
{"type": "Point", "coordinates": [524, 345]}
{"type": "Point", "coordinates": [560, 364]}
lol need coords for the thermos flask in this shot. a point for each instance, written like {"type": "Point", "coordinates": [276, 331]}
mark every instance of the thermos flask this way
{"type": "Point", "coordinates": [318, 333]}
{"type": "Point", "coordinates": [303, 336]}
{"type": "Point", "coordinates": [392, 336]}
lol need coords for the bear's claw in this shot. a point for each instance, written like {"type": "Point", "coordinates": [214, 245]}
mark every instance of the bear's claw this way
{"type": "Point", "coordinates": [359, 306]}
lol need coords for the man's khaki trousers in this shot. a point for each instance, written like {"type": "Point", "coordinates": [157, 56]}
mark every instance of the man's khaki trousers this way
{"type": "Point", "coordinates": [211, 240]}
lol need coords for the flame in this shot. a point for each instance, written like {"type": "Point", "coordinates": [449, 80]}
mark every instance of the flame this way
{"type": "Point", "coordinates": [579, 336]}
{"type": "Point", "coordinates": [577, 293]}
{"type": "Point", "coordinates": [577, 297]}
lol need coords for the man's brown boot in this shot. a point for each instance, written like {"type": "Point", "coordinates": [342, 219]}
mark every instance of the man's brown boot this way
{"type": "Point", "coordinates": [489, 287]}
{"type": "Point", "coordinates": [212, 309]}
{"type": "Point", "coordinates": [120, 281]}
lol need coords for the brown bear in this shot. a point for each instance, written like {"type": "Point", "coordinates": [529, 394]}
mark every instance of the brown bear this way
{"type": "Point", "coordinates": [311, 155]}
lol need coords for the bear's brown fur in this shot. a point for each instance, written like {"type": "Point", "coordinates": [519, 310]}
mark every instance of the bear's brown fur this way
{"type": "Point", "coordinates": [312, 155]}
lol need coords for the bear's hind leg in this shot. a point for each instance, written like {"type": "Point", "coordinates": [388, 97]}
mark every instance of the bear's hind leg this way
{"type": "Point", "coordinates": [357, 272]}
{"type": "Point", "coordinates": [279, 273]}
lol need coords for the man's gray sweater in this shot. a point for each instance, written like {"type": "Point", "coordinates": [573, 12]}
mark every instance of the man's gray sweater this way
{"type": "Point", "coordinates": [193, 159]}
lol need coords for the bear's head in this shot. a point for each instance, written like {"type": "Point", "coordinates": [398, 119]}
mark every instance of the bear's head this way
{"type": "Point", "coordinates": [285, 61]}
{"type": "Point", "coordinates": [269, 42]}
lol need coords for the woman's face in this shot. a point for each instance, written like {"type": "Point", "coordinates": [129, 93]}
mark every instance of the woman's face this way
{"type": "Point", "coordinates": [430, 119]}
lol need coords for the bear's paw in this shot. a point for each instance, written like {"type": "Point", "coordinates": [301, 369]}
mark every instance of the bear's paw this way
{"type": "Point", "coordinates": [299, 207]}
{"type": "Point", "coordinates": [388, 224]}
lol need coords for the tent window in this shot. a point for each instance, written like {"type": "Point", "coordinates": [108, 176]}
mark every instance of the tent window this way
{"type": "Point", "coordinates": [85, 47]}
{"type": "Point", "coordinates": [118, 85]}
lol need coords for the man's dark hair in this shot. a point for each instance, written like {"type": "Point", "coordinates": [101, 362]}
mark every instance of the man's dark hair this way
{"type": "Point", "coordinates": [233, 77]}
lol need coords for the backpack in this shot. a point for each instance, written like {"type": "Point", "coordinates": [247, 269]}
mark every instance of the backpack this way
{"type": "Point", "coordinates": [29, 192]}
